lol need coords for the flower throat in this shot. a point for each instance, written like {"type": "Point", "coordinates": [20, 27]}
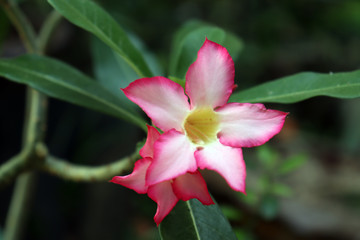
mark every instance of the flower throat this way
{"type": "Point", "coordinates": [201, 125]}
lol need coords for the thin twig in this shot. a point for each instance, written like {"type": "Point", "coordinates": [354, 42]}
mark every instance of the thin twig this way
{"type": "Point", "coordinates": [20, 206]}
{"type": "Point", "coordinates": [12, 168]}
{"type": "Point", "coordinates": [34, 130]}
{"type": "Point", "coordinates": [28, 160]}
{"type": "Point", "coordinates": [22, 25]}
{"type": "Point", "coordinates": [47, 29]}
{"type": "Point", "coordinates": [82, 173]}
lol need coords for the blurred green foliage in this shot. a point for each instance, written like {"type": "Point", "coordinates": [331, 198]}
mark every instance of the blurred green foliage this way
{"type": "Point", "coordinates": [4, 29]}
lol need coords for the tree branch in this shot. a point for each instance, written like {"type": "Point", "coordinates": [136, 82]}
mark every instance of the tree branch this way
{"type": "Point", "coordinates": [26, 160]}
{"type": "Point", "coordinates": [12, 168]}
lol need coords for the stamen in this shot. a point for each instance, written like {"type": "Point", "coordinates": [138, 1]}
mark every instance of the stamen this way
{"type": "Point", "coordinates": [201, 126]}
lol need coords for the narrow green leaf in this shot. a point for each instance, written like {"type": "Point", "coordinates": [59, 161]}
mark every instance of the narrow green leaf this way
{"type": "Point", "coordinates": [188, 40]}
{"type": "Point", "coordinates": [61, 81]}
{"type": "Point", "coordinates": [89, 16]}
{"type": "Point", "coordinates": [150, 58]}
{"type": "Point", "coordinates": [302, 86]}
{"type": "Point", "coordinates": [192, 220]}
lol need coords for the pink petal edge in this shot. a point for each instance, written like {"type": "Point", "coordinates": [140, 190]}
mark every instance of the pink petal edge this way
{"type": "Point", "coordinates": [173, 156]}
{"type": "Point", "coordinates": [192, 185]}
{"type": "Point", "coordinates": [210, 79]}
{"type": "Point", "coordinates": [227, 161]}
{"type": "Point", "coordinates": [148, 149]}
{"type": "Point", "coordinates": [162, 193]}
{"type": "Point", "coordinates": [161, 99]}
{"type": "Point", "coordinates": [135, 180]}
{"type": "Point", "coordinates": [248, 125]}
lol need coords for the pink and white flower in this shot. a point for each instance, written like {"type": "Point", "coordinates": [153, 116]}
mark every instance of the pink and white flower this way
{"type": "Point", "coordinates": [202, 130]}
{"type": "Point", "coordinates": [167, 193]}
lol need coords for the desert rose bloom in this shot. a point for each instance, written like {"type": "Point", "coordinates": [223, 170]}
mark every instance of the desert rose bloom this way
{"type": "Point", "coordinates": [166, 194]}
{"type": "Point", "coordinates": [202, 130]}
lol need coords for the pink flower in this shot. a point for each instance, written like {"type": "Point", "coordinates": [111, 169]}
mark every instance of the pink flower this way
{"type": "Point", "coordinates": [205, 132]}
{"type": "Point", "coordinates": [167, 193]}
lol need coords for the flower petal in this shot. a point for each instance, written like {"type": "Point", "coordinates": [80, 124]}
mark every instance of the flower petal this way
{"type": "Point", "coordinates": [192, 185]}
{"type": "Point", "coordinates": [148, 149]}
{"type": "Point", "coordinates": [135, 180]}
{"type": "Point", "coordinates": [227, 161]}
{"type": "Point", "coordinates": [161, 99]}
{"type": "Point", "coordinates": [173, 156]}
{"type": "Point", "coordinates": [210, 79]}
{"type": "Point", "coordinates": [248, 125]}
{"type": "Point", "coordinates": [162, 193]}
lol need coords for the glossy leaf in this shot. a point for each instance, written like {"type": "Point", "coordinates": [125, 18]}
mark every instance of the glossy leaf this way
{"type": "Point", "coordinates": [302, 86]}
{"type": "Point", "coordinates": [192, 220]}
{"type": "Point", "coordinates": [89, 16]}
{"type": "Point", "coordinates": [61, 81]}
{"type": "Point", "coordinates": [188, 40]}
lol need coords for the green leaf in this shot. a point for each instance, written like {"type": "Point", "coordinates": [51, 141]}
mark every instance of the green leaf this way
{"type": "Point", "coordinates": [111, 71]}
{"type": "Point", "coordinates": [61, 81]}
{"type": "Point", "coordinates": [89, 16]}
{"type": "Point", "coordinates": [233, 44]}
{"type": "Point", "coordinates": [178, 42]}
{"type": "Point", "coordinates": [302, 86]}
{"type": "Point", "coordinates": [189, 39]}
{"type": "Point", "coordinates": [192, 220]}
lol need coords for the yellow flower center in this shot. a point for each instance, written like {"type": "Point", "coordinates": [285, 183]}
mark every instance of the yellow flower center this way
{"type": "Point", "coordinates": [201, 125]}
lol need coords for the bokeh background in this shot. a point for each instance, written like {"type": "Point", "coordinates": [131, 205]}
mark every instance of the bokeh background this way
{"type": "Point", "coordinates": [303, 184]}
